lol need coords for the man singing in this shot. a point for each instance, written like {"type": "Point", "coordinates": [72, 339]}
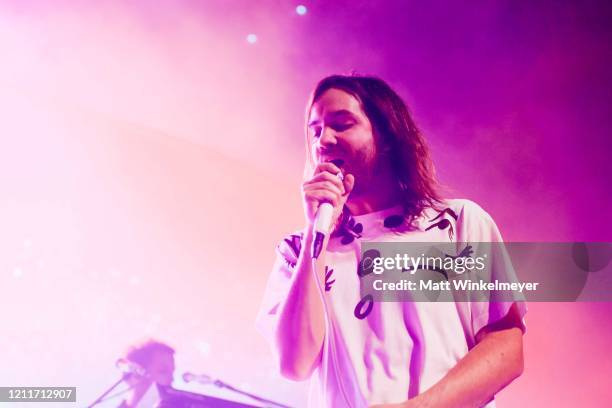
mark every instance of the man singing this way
{"type": "Point", "coordinates": [367, 158]}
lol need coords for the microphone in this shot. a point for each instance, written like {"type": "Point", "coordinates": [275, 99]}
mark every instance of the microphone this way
{"type": "Point", "coordinates": [199, 378]}
{"type": "Point", "coordinates": [128, 368]}
{"type": "Point", "coordinates": [322, 223]}
{"type": "Point", "coordinates": [323, 218]}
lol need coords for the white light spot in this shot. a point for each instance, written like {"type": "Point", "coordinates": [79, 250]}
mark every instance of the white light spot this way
{"type": "Point", "coordinates": [17, 273]}
{"type": "Point", "coordinates": [204, 348]}
{"type": "Point", "coordinates": [301, 9]}
{"type": "Point", "coordinates": [251, 38]}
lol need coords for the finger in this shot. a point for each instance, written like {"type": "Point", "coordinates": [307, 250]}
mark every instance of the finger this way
{"type": "Point", "coordinates": [323, 185]}
{"type": "Point", "coordinates": [323, 196]}
{"type": "Point", "coordinates": [326, 176]}
{"type": "Point", "coordinates": [327, 166]}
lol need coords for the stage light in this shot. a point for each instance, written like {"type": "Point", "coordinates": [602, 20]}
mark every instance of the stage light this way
{"type": "Point", "coordinates": [251, 38]}
{"type": "Point", "coordinates": [301, 10]}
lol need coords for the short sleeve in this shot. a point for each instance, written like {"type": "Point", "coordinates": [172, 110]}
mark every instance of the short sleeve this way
{"type": "Point", "coordinates": [476, 227]}
{"type": "Point", "coordinates": [277, 288]}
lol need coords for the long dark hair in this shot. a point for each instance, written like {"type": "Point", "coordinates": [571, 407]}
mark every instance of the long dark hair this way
{"type": "Point", "coordinates": [408, 151]}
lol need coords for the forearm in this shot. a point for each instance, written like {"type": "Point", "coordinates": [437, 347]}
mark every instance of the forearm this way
{"type": "Point", "coordinates": [491, 365]}
{"type": "Point", "coordinates": [301, 327]}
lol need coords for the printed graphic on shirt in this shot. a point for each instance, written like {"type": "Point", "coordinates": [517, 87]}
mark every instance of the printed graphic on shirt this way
{"type": "Point", "coordinates": [328, 280]}
{"type": "Point", "coordinates": [349, 230]}
{"type": "Point", "coordinates": [444, 223]}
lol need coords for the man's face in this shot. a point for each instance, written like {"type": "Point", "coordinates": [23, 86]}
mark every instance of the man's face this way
{"type": "Point", "coordinates": [161, 368]}
{"type": "Point", "coordinates": [338, 128]}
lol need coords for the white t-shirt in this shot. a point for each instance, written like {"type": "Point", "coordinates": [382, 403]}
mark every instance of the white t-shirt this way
{"type": "Point", "coordinates": [388, 352]}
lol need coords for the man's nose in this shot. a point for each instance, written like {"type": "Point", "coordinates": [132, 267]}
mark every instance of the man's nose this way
{"type": "Point", "coordinates": [327, 138]}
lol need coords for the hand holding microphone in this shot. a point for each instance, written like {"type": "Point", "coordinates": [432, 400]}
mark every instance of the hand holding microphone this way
{"type": "Point", "coordinates": [324, 197]}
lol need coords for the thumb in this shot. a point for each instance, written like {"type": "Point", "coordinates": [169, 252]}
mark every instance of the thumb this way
{"type": "Point", "coordinates": [349, 183]}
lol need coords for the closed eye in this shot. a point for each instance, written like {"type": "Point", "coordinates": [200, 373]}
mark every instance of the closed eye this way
{"type": "Point", "coordinates": [341, 127]}
{"type": "Point", "coordinates": [338, 127]}
{"type": "Point", "coordinates": [316, 131]}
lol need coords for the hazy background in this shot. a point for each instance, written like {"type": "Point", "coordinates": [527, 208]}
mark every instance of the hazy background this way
{"type": "Point", "coordinates": [151, 157]}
